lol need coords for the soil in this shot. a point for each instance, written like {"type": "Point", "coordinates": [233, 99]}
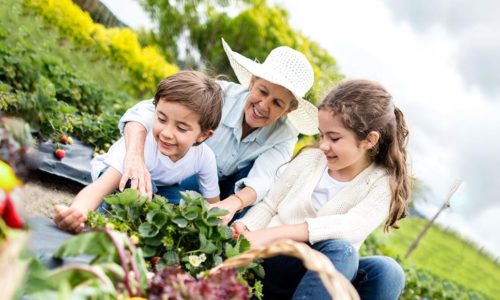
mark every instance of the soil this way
{"type": "Point", "coordinates": [43, 190]}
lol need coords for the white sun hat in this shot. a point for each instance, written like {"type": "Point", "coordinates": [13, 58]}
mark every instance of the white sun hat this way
{"type": "Point", "coordinates": [288, 68]}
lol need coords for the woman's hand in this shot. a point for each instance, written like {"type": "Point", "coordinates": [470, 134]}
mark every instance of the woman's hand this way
{"type": "Point", "coordinates": [231, 204]}
{"type": "Point", "coordinates": [135, 169]}
{"type": "Point", "coordinates": [69, 218]}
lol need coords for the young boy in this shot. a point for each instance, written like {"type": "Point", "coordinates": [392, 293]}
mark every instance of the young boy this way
{"type": "Point", "coordinates": [188, 108]}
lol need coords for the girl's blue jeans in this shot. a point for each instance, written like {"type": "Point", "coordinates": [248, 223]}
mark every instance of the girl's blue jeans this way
{"type": "Point", "coordinates": [374, 277]}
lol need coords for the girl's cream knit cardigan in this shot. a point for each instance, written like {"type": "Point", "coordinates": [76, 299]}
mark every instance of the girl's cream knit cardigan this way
{"type": "Point", "coordinates": [351, 215]}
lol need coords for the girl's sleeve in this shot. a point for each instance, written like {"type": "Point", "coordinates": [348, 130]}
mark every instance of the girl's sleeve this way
{"type": "Point", "coordinates": [208, 180]}
{"type": "Point", "coordinates": [356, 224]}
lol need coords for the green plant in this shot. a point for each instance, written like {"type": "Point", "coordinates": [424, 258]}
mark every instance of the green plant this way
{"type": "Point", "coordinates": [117, 270]}
{"type": "Point", "coordinates": [190, 234]}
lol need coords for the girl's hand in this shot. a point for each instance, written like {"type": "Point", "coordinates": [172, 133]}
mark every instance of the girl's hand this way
{"type": "Point", "coordinates": [239, 227]}
{"type": "Point", "coordinates": [69, 218]}
{"type": "Point", "coordinates": [258, 238]}
{"type": "Point", "coordinates": [135, 169]}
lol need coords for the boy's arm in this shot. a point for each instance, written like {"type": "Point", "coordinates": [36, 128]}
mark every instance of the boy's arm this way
{"type": "Point", "coordinates": [134, 166]}
{"type": "Point", "coordinates": [134, 125]}
{"type": "Point", "coordinates": [72, 218]}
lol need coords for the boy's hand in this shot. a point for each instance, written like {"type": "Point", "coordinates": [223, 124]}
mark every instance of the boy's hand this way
{"type": "Point", "coordinates": [69, 218]}
{"type": "Point", "coordinates": [135, 170]}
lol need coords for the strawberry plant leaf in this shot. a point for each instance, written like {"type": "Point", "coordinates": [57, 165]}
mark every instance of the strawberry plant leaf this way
{"type": "Point", "coordinates": [158, 218]}
{"type": "Point", "coordinates": [209, 248]}
{"type": "Point", "coordinates": [216, 212]}
{"type": "Point", "coordinates": [180, 221]}
{"type": "Point", "coordinates": [171, 258]}
{"type": "Point", "coordinates": [149, 251]}
{"type": "Point", "coordinates": [148, 230]}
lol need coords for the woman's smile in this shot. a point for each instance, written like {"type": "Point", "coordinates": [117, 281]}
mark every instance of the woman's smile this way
{"type": "Point", "coordinates": [257, 114]}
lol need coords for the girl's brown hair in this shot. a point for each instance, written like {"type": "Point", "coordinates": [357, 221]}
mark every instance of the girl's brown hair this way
{"type": "Point", "coordinates": [364, 106]}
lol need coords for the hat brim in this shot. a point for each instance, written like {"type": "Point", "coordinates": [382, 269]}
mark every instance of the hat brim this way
{"type": "Point", "coordinates": [304, 118]}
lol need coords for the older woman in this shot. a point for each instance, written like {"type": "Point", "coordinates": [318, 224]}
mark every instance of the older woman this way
{"type": "Point", "coordinates": [262, 117]}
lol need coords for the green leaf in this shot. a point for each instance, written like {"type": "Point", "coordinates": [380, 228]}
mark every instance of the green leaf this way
{"type": "Point", "coordinates": [180, 221]}
{"type": "Point", "coordinates": [112, 199]}
{"type": "Point", "coordinates": [212, 221]}
{"type": "Point", "coordinates": [190, 195]}
{"type": "Point", "coordinates": [158, 218]}
{"type": "Point", "coordinates": [259, 270]}
{"type": "Point", "coordinates": [209, 248]}
{"type": "Point", "coordinates": [156, 241]}
{"type": "Point", "coordinates": [216, 212]}
{"type": "Point", "coordinates": [171, 258]}
{"type": "Point", "coordinates": [91, 243]}
{"type": "Point", "coordinates": [148, 230]}
{"type": "Point", "coordinates": [230, 250]}
{"type": "Point", "coordinates": [203, 239]}
{"type": "Point", "coordinates": [149, 251]}
{"type": "Point", "coordinates": [191, 213]}
{"type": "Point", "coordinates": [128, 196]}
{"type": "Point", "coordinates": [119, 211]}
{"type": "Point", "coordinates": [225, 232]}
{"type": "Point", "coordinates": [153, 205]}
{"type": "Point", "coordinates": [244, 245]}
{"type": "Point", "coordinates": [217, 260]}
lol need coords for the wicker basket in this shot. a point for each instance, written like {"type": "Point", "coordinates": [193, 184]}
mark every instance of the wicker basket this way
{"type": "Point", "coordinates": [337, 285]}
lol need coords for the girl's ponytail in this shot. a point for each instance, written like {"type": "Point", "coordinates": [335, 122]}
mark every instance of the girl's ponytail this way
{"type": "Point", "coordinates": [395, 162]}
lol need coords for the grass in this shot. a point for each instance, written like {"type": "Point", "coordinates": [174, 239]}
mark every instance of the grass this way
{"type": "Point", "coordinates": [445, 254]}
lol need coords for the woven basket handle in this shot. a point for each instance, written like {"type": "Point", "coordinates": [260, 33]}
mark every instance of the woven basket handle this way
{"type": "Point", "coordinates": [336, 284]}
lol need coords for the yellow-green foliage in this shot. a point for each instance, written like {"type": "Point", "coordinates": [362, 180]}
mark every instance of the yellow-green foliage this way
{"type": "Point", "coordinates": [145, 65]}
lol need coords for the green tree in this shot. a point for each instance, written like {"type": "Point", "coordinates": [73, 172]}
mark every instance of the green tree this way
{"type": "Point", "coordinates": [253, 32]}
{"type": "Point", "coordinates": [176, 18]}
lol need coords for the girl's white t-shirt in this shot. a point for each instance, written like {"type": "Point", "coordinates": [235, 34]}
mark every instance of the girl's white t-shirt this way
{"type": "Point", "coordinates": [326, 189]}
{"type": "Point", "coordinates": [199, 160]}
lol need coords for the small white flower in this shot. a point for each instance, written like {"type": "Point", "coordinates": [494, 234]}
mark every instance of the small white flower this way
{"type": "Point", "coordinates": [203, 257]}
{"type": "Point", "coordinates": [194, 260]}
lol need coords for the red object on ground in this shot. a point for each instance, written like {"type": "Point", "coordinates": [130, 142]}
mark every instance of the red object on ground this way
{"type": "Point", "coordinates": [63, 139]}
{"type": "Point", "coordinates": [59, 153]}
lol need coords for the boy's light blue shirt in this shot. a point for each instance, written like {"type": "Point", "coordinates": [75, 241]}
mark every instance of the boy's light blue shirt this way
{"type": "Point", "coordinates": [269, 146]}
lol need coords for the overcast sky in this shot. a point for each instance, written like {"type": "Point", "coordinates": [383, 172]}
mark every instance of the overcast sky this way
{"type": "Point", "coordinates": [441, 61]}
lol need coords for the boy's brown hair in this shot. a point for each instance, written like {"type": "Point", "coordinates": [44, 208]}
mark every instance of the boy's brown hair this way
{"type": "Point", "coordinates": [196, 91]}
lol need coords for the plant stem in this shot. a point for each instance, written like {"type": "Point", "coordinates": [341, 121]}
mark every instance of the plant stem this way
{"type": "Point", "coordinates": [123, 260]}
